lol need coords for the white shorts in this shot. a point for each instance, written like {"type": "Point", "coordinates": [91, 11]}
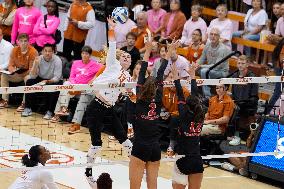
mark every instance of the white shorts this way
{"type": "Point", "coordinates": [178, 177]}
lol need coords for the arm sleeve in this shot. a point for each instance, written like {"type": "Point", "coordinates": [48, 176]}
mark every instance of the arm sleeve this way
{"type": "Point", "coordinates": [203, 58]}
{"type": "Point", "coordinates": [51, 28]}
{"type": "Point", "coordinates": [9, 20]}
{"type": "Point", "coordinates": [12, 59]}
{"type": "Point", "coordinates": [184, 35]}
{"type": "Point", "coordinates": [277, 30]}
{"type": "Point", "coordinates": [36, 29]}
{"type": "Point", "coordinates": [159, 80]}
{"type": "Point", "coordinates": [141, 77]}
{"type": "Point", "coordinates": [181, 100]}
{"type": "Point", "coordinates": [15, 28]}
{"type": "Point", "coordinates": [7, 57]}
{"type": "Point", "coordinates": [89, 21]}
{"type": "Point", "coordinates": [177, 33]}
{"type": "Point", "coordinates": [111, 54]}
{"type": "Point", "coordinates": [72, 73]}
{"type": "Point", "coordinates": [228, 31]}
{"type": "Point", "coordinates": [57, 71]}
{"type": "Point", "coordinates": [47, 178]}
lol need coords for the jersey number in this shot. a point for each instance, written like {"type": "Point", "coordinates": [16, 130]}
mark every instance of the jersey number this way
{"type": "Point", "coordinates": [152, 111]}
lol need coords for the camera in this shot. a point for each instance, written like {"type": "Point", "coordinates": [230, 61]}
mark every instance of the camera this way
{"type": "Point", "coordinates": [253, 126]}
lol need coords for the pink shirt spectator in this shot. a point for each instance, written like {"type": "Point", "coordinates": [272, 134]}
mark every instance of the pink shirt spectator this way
{"type": "Point", "coordinates": [225, 27]}
{"type": "Point", "coordinates": [182, 65]}
{"type": "Point", "coordinates": [121, 30]}
{"type": "Point", "coordinates": [82, 73]}
{"type": "Point", "coordinates": [24, 22]}
{"type": "Point", "coordinates": [189, 27]}
{"type": "Point", "coordinates": [170, 23]}
{"type": "Point", "coordinates": [44, 34]}
{"type": "Point", "coordinates": [280, 27]}
{"type": "Point", "coordinates": [155, 19]}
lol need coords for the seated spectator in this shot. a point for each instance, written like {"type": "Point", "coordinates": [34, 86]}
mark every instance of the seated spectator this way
{"type": "Point", "coordinates": [224, 25]}
{"type": "Point", "coordinates": [220, 110]}
{"type": "Point", "coordinates": [245, 96]}
{"type": "Point", "coordinates": [155, 17]}
{"type": "Point", "coordinates": [121, 31]}
{"type": "Point", "coordinates": [131, 49]}
{"type": "Point", "coordinates": [276, 14]}
{"type": "Point", "coordinates": [46, 70]}
{"type": "Point", "coordinates": [213, 52]}
{"type": "Point", "coordinates": [82, 72]}
{"type": "Point", "coordinates": [180, 62]}
{"type": "Point", "coordinates": [157, 62]}
{"type": "Point", "coordinates": [20, 64]}
{"type": "Point", "coordinates": [5, 52]}
{"type": "Point", "coordinates": [195, 22]}
{"type": "Point", "coordinates": [196, 46]}
{"type": "Point", "coordinates": [46, 26]}
{"type": "Point", "coordinates": [141, 31]}
{"type": "Point", "coordinates": [279, 28]}
{"type": "Point", "coordinates": [173, 22]}
{"type": "Point", "coordinates": [255, 21]}
{"type": "Point", "coordinates": [7, 14]}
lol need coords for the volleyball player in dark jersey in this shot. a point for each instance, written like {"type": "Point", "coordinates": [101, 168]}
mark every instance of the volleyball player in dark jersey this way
{"type": "Point", "coordinates": [146, 152]}
{"type": "Point", "coordinates": [188, 170]}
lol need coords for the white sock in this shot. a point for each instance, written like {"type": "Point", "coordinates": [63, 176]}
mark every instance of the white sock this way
{"type": "Point", "coordinates": [127, 145]}
{"type": "Point", "coordinates": [93, 153]}
{"type": "Point", "coordinates": [130, 126]}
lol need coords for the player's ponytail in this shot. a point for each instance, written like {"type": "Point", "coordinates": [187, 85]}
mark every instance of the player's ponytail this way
{"type": "Point", "coordinates": [32, 159]}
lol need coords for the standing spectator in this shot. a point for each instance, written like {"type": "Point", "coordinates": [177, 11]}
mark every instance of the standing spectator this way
{"type": "Point", "coordinates": [276, 14]}
{"type": "Point", "coordinates": [173, 22]}
{"type": "Point", "coordinates": [46, 26]}
{"type": "Point", "coordinates": [255, 21]}
{"type": "Point", "coordinates": [195, 22]}
{"type": "Point", "coordinates": [141, 31]}
{"type": "Point", "coordinates": [213, 52]}
{"type": "Point", "coordinates": [24, 21]}
{"type": "Point", "coordinates": [224, 25]}
{"type": "Point", "coordinates": [155, 17]}
{"type": "Point", "coordinates": [7, 13]}
{"type": "Point", "coordinates": [80, 18]}
{"type": "Point", "coordinates": [20, 64]}
{"type": "Point", "coordinates": [5, 52]}
{"type": "Point", "coordinates": [196, 47]}
{"type": "Point", "coordinates": [121, 30]}
{"type": "Point", "coordinates": [131, 49]}
{"type": "Point", "coordinates": [46, 70]}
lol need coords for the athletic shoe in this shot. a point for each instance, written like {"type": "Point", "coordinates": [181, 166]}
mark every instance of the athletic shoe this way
{"type": "Point", "coordinates": [235, 141]}
{"type": "Point", "coordinates": [127, 145]}
{"type": "Point", "coordinates": [227, 166]}
{"type": "Point", "coordinates": [74, 129]}
{"type": "Point", "coordinates": [48, 115]}
{"type": "Point", "coordinates": [21, 107]}
{"type": "Point", "coordinates": [93, 153]}
{"type": "Point", "coordinates": [27, 112]}
{"type": "Point", "coordinates": [243, 172]}
{"type": "Point", "coordinates": [170, 153]}
{"type": "Point", "coordinates": [3, 104]}
{"type": "Point", "coordinates": [63, 111]}
{"type": "Point", "coordinates": [55, 119]}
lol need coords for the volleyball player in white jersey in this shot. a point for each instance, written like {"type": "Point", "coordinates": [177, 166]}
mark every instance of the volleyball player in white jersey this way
{"type": "Point", "coordinates": [115, 71]}
{"type": "Point", "coordinates": [38, 178]}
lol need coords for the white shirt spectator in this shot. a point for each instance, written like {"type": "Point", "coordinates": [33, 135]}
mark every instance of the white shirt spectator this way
{"type": "Point", "coordinates": [182, 65]}
{"type": "Point", "coordinates": [5, 51]}
{"type": "Point", "coordinates": [248, 2]}
{"type": "Point", "coordinates": [121, 30]}
{"type": "Point", "coordinates": [34, 179]}
{"type": "Point", "coordinates": [280, 27]}
{"type": "Point", "coordinates": [189, 27]}
{"type": "Point", "coordinates": [226, 29]}
{"type": "Point", "coordinates": [253, 21]}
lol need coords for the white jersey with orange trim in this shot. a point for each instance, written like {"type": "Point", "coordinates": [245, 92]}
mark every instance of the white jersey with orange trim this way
{"type": "Point", "coordinates": [35, 179]}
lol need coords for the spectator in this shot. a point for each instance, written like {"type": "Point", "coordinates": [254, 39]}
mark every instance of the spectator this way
{"type": "Point", "coordinates": [5, 52]}
{"type": "Point", "coordinates": [7, 14]}
{"type": "Point", "coordinates": [20, 64]}
{"type": "Point", "coordinates": [195, 22]}
{"type": "Point", "coordinates": [245, 96]}
{"type": "Point", "coordinates": [46, 26]}
{"type": "Point", "coordinates": [224, 25]}
{"type": "Point", "coordinates": [121, 30]}
{"type": "Point", "coordinates": [24, 21]}
{"type": "Point", "coordinates": [173, 22]}
{"type": "Point", "coordinates": [213, 52]}
{"type": "Point", "coordinates": [141, 31]}
{"type": "Point", "coordinates": [196, 46]}
{"type": "Point", "coordinates": [157, 63]}
{"type": "Point", "coordinates": [80, 18]}
{"type": "Point", "coordinates": [46, 70]}
{"type": "Point", "coordinates": [280, 23]}
{"type": "Point", "coordinates": [247, 4]}
{"type": "Point", "coordinates": [255, 21]}
{"type": "Point", "coordinates": [220, 110]}
{"type": "Point", "coordinates": [180, 62]}
{"type": "Point", "coordinates": [155, 17]}
{"type": "Point", "coordinates": [82, 72]}
{"type": "Point", "coordinates": [276, 14]}
{"type": "Point", "coordinates": [131, 49]}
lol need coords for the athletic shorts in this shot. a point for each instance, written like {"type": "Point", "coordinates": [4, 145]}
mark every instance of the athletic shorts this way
{"type": "Point", "coordinates": [146, 152]}
{"type": "Point", "coordinates": [190, 164]}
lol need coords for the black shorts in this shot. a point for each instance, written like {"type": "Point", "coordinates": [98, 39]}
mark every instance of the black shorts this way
{"type": "Point", "coordinates": [146, 152]}
{"type": "Point", "coordinates": [190, 164]}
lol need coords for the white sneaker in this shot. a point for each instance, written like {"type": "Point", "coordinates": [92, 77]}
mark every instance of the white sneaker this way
{"type": "Point", "coordinates": [27, 112]}
{"type": "Point", "coordinates": [235, 141]}
{"type": "Point", "coordinates": [127, 145]}
{"type": "Point", "coordinates": [93, 153]}
{"type": "Point", "coordinates": [227, 166]}
{"type": "Point", "coordinates": [48, 115]}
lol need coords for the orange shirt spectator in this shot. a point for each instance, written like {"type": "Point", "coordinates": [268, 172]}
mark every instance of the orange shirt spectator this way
{"type": "Point", "coordinates": [196, 47]}
{"type": "Point", "coordinates": [7, 13]}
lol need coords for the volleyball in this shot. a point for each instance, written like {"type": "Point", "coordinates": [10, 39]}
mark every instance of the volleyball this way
{"type": "Point", "coordinates": [120, 14]}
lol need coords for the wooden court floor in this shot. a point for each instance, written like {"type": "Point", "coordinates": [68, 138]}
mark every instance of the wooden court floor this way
{"type": "Point", "coordinates": [37, 127]}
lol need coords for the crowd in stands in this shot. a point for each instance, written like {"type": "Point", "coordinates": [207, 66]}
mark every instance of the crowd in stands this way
{"type": "Point", "coordinates": [28, 54]}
